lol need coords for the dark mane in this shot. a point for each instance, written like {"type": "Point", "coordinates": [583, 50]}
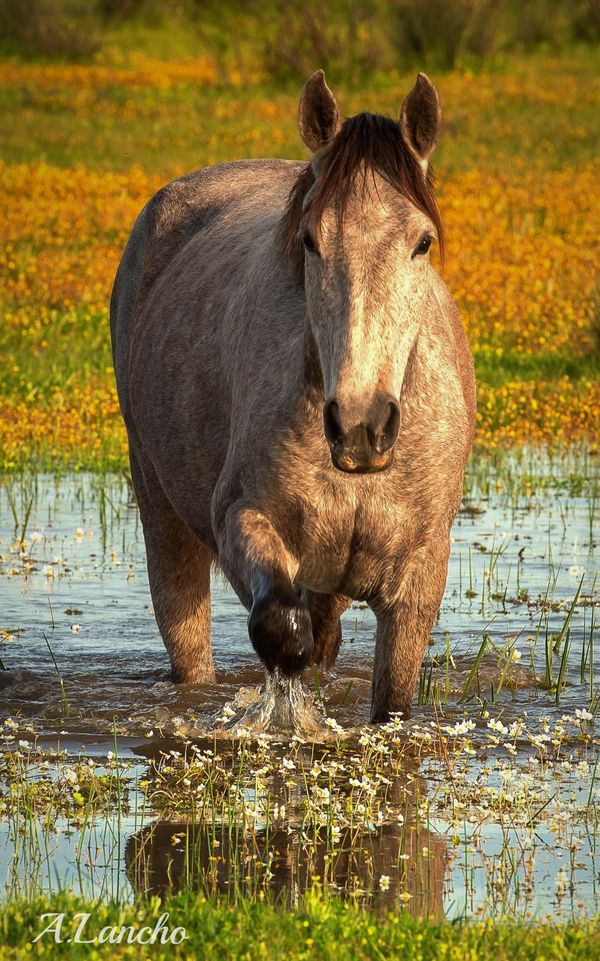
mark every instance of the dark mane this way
{"type": "Point", "coordinates": [368, 143]}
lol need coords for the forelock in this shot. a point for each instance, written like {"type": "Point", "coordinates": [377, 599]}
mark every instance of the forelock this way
{"type": "Point", "coordinates": [366, 144]}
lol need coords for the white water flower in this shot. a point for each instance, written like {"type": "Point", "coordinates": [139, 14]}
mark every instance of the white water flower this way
{"type": "Point", "coordinates": [333, 724]}
{"type": "Point", "coordinates": [36, 537]}
{"type": "Point", "coordinates": [461, 727]}
{"type": "Point", "coordinates": [583, 715]}
{"type": "Point", "coordinates": [498, 726]}
{"type": "Point", "coordinates": [515, 655]}
{"type": "Point", "coordinates": [75, 628]}
{"type": "Point", "coordinates": [384, 882]}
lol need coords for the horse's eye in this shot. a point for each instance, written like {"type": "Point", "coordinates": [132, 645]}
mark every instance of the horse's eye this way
{"type": "Point", "coordinates": [423, 246]}
{"type": "Point", "coordinates": [309, 242]}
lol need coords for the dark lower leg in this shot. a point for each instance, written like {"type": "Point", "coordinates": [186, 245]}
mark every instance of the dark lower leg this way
{"type": "Point", "coordinates": [325, 612]}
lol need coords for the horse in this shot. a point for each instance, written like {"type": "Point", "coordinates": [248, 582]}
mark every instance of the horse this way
{"type": "Point", "coordinates": [299, 394]}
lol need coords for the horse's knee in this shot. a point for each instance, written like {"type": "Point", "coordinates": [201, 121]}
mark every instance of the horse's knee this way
{"type": "Point", "coordinates": [280, 630]}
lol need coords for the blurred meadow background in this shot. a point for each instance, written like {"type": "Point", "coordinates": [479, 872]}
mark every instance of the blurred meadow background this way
{"type": "Point", "coordinates": [101, 102]}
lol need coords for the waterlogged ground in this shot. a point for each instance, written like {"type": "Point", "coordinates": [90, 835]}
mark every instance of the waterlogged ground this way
{"type": "Point", "coordinates": [485, 802]}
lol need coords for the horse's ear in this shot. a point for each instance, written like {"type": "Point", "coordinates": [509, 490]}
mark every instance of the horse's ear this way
{"type": "Point", "coordinates": [318, 114]}
{"type": "Point", "coordinates": [420, 119]}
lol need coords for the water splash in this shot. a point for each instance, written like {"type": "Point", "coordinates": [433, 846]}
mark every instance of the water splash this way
{"type": "Point", "coordinates": [281, 706]}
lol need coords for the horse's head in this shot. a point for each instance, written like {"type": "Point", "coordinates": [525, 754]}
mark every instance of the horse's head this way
{"type": "Point", "coordinates": [365, 217]}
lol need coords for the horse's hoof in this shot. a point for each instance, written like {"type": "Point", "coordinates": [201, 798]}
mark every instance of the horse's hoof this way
{"type": "Point", "coordinates": [281, 633]}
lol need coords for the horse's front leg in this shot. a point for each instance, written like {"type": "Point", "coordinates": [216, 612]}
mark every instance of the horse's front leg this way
{"type": "Point", "coordinates": [325, 612]}
{"type": "Point", "coordinates": [405, 617]}
{"type": "Point", "coordinates": [261, 570]}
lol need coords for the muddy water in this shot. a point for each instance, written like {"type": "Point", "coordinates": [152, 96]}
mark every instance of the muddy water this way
{"type": "Point", "coordinates": [76, 603]}
{"type": "Point", "coordinates": [490, 832]}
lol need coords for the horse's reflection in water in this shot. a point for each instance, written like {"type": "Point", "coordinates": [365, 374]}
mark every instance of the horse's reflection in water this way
{"type": "Point", "coordinates": [380, 866]}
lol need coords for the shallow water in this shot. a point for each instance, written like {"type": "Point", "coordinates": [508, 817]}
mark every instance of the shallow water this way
{"type": "Point", "coordinates": [116, 859]}
{"type": "Point", "coordinates": [81, 589]}
{"type": "Point", "coordinates": [84, 668]}
{"type": "Point", "coordinates": [417, 856]}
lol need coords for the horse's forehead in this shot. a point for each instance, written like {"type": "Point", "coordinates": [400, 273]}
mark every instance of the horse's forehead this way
{"type": "Point", "coordinates": [373, 210]}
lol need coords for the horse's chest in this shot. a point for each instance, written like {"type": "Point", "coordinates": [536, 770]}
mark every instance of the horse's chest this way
{"type": "Point", "coordinates": [347, 544]}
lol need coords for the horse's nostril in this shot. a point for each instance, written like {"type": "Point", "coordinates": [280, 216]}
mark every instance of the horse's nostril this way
{"type": "Point", "coordinates": [386, 437]}
{"type": "Point", "coordinates": [371, 434]}
{"type": "Point", "coordinates": [331, 421]}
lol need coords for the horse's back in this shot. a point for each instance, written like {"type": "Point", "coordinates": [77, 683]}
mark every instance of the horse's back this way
{"type": "Point", "coordinates": [176, 214]}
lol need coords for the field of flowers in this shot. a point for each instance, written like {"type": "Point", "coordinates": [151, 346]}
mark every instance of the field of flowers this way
{"type": "Point", "coordinates": [84, 147]}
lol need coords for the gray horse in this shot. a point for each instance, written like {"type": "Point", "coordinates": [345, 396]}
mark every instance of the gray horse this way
{"type": "Point", "coordinates": [299, 394]}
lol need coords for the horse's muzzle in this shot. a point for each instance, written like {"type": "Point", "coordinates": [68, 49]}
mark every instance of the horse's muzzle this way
{"type": "Point", "coordinates": [350, 463]}
{"type": "Point", "coordinates": [368, 445]}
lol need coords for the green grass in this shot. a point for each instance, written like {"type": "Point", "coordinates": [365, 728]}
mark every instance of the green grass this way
{"type": "Point", "coordinates": [540, 366]}
{"type": "Point", "coordinates": [317, 929]}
